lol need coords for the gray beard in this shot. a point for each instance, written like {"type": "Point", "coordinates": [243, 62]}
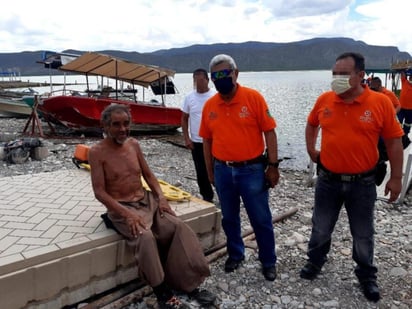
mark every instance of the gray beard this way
{"type": "Point", "coordinates": [119, 142]}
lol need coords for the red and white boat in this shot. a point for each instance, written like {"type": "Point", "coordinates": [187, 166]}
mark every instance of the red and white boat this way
{"type": "Point", "coordinates": [81, 112]}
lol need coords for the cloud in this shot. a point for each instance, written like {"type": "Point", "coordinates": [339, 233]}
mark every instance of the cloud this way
{"type": "Point", "coordinates": [148, 25]}
{"type": "Point", "coordinates": [301, 8]}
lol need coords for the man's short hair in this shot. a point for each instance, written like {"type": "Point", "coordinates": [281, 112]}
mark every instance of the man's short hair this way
{"type": "Point", "coordinates": [357, 57]}
{"type": "Point", "coordinates": [222, 58]}
{"type": "Point", "coordinates": [201, 71]}
{"type": "Point", "coordinates": [375, 84]}
{"type": "Point", "coordinates": [377, 80]}
{"type": "Point", "coordinates": [106, 116]}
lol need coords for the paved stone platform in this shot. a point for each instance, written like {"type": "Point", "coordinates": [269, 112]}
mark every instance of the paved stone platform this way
{"type": "Point", "coordinates": [55, 249]}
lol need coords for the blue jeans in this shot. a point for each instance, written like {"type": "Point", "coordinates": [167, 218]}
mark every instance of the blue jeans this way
{"type": "Point", "coordinates": [359, 200]}
{"type": "Point", "coordinates": [246, 183]}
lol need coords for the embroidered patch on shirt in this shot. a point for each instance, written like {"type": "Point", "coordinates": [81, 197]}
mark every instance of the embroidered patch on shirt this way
{"type": "Point", "coordinates": [244, 113]}
{"type": "Point", "coordinates": [367, 117]}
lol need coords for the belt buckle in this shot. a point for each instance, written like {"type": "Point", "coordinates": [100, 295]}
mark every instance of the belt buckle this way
{"type": "Point", "coordinates": [229, 163]}
{"type": "Point", "coordinates": [347, 178]}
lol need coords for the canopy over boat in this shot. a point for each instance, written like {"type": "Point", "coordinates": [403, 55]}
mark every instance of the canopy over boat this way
{"type": "Point", "coordinates": [91, 63]}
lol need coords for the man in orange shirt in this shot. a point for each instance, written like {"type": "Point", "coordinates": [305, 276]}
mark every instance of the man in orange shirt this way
{"type": "Point", "coordinates": [236, 127]}
{"type": "Point", "coordinates": [376, 85]}
{"type": "Point", "coordinates": [405, 114]}
{"type": "Point", "coordinates": [351, 118]}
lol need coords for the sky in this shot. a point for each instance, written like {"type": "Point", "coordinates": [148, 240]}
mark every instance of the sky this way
{"type": "Point", "coordinates": [150, 25]}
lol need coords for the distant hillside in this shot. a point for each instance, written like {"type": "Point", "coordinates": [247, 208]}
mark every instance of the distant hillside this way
{"type": "Point", "coordinates": [313, 54]}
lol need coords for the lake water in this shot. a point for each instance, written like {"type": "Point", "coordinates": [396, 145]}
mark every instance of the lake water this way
{"type": "Point", "coordinates": [290, 96]}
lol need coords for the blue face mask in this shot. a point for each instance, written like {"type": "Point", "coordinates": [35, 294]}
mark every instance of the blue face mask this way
{"type": "Point", "coordinates": [224, 85]}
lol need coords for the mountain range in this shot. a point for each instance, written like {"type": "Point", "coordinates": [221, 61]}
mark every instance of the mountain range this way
{"type": "Point", "coordinates": [312, 54]}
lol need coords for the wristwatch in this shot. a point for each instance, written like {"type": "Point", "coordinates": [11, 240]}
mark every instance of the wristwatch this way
{"type": "Point", "coordinates": [274, 164]}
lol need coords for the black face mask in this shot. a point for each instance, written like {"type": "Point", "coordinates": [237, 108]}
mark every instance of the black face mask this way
{"type": "Point", "coordinates": [224, 85]}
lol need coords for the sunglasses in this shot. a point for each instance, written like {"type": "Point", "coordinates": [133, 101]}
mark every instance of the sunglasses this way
{"type": "Point", "coordinates": [220, 74]}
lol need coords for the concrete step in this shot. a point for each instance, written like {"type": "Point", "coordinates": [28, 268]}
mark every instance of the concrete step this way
{"type": "Point", "coordinates": [54, 248]}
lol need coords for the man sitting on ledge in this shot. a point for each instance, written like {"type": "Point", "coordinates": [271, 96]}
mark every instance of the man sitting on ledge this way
{"type": "Point", "coordinates": [167, 252]}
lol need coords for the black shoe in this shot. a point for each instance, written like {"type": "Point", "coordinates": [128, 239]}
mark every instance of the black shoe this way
{"type": "Point", "coordinates": [203, 297]}
{"type": "Point", "coordinates": [309, 271]}
{"type": "Point", "coordinates": [210, 200]}
{"type": "Point", "coordinates": [370, 290]}
{"type": "Point", "coordinates": [269, 273]}
{"type": "Point", "coordinates": [231, 264]}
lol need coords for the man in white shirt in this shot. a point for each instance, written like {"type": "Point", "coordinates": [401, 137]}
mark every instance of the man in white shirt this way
{"type": "Point", "coordinates": [192, 113]}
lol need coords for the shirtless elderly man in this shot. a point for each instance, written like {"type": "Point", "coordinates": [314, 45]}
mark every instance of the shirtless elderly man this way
{"type": "Point", "coordinates": [168, 253]}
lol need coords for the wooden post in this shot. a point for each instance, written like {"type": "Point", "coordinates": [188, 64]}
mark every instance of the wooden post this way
{"type": "Point", "coordinates": [35, 120]}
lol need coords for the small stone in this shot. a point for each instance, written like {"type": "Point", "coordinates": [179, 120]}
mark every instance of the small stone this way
{"type": "Point", "coordinates": [285, 299]}
{"type": "Point", "coordinates": [346, 251]}
{"type": "Point", "coordinates": [223, 286]}
{"type": "Point", "coordinates": [331, 303]}
{"type": "Point", "coordinates": [398, 272]}
{"type": "Point", "coordinates": [316, 292]}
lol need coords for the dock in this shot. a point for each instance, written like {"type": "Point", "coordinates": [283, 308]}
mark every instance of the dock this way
{"type": "Point", "coordinates": [54, 247]}
{"type": "Point", "coordinates": [27, 84]}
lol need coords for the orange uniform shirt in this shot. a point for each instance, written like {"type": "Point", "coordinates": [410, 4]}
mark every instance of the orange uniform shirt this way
{"type": "Point", "coordinates": [391, 96]}
{"type": "Point", "coordinates": [237, 127]}
{"type": "Point", "coordinates": [406, 94]}
{"type": "Point", "coordinates": [350, 132]}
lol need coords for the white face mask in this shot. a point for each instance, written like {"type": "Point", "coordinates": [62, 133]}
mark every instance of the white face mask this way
{"type": "Point", "coordinates": [340, 83]}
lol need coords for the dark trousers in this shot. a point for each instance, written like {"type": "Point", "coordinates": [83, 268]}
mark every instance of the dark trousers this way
{"type": "Point", "coordinates": [167, 251]}
{"type": "Point", "coordinates": [405, 118]}
{"type": "Point", "coordinates": [358, 197]}
{"type": "Point", "coordinates": [205, 187]}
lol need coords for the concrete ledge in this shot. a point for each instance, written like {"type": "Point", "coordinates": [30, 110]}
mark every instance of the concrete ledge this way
{"type": "Point", "coordinates": [67, 280]}
{"type": "Point", "coordinates": [73, 278]}
{"type": "Point", "coordinates": [55, 249]}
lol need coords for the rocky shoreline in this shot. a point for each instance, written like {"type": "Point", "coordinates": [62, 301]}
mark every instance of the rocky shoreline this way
{"type": "Point", "coordinates": [336, 287]}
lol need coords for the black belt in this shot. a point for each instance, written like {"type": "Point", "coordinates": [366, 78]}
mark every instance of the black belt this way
{"type": "Point", "coordinates": [346, 177]}
{"type": "Point", "coordinates": [259, 159]}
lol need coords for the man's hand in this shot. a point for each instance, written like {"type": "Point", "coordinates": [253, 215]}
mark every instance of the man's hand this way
{"type": "Point", "coordinates": [165, 207]}
{"type": "Point", "coordinates": [272, 176]}
{"type": "Point", "coordinates": [189, 144]}
{"type": "Point", "coordinates": [314, 155]}
{"type": "Point", "coordinates": [136, 225]}
{"type": "Point", "coordinates": [394, 187]}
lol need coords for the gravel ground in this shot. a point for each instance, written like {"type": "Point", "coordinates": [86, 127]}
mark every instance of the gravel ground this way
{"type": "Point", "coordinates": [336, 287]}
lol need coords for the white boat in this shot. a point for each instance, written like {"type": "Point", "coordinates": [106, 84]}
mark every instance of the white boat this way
{"type": "Point", "coordinates": [14, 108]}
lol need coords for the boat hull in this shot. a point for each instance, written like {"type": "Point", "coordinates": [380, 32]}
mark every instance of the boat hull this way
{"type": "Point", "coordinates": [83, 114]}
{"type": "Point", "coordinates": [14, 108]}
